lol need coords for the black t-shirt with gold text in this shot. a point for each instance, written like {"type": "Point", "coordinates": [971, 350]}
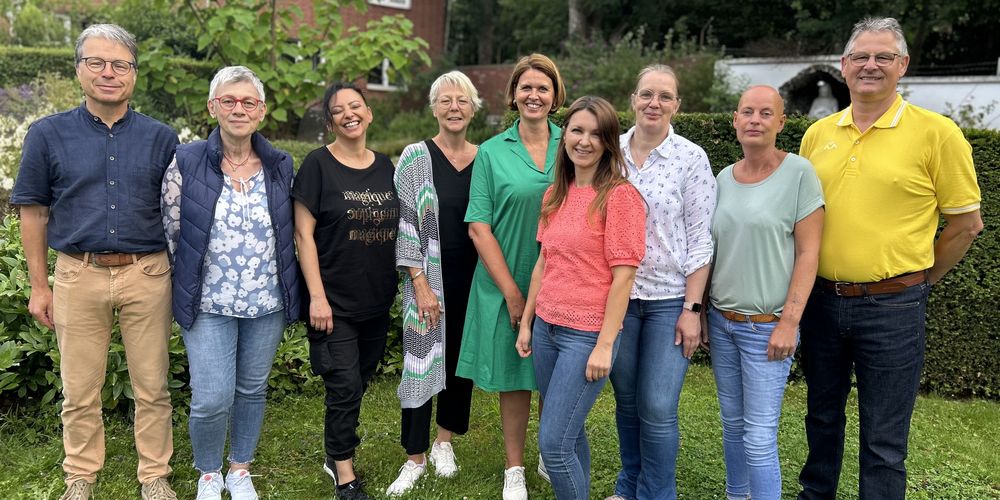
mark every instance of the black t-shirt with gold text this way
{"type": "Point", "coordinates": [357, 216]}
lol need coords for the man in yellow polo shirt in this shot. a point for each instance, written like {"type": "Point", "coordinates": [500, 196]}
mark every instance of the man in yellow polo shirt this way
{"type": "Point", "coordinates": [888, 169]}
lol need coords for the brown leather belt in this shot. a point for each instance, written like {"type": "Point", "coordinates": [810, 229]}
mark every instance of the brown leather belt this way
{"type": "Point", "coordinates": [109, 259]}
{"type": "Point", "coordinates": [895, 284]}
{"type": "Point", "coordinates": [753, 318]}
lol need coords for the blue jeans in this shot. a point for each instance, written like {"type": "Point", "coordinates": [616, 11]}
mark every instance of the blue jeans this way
{"type": "Point", "coordinates": [229, 360]}
{"type": "Point", "coordinates": [882, 338]}
{"type": "Point", "coordinates": [750, 392]}
{"type": "Point", "coordinates": [647, 377]}
{"type": "Point", "coordinates": [560, 357]}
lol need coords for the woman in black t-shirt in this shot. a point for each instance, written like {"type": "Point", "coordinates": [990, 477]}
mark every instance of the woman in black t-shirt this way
{"type": "Point", "coordinates": [346, 217]}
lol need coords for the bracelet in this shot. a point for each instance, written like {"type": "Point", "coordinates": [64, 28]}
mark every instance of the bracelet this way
{"type": "Point", "coordinates": [417, 275]}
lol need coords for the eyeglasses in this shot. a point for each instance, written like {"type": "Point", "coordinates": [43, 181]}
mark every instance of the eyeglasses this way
{"type": "Point", "coordinates": [882, 59]}
{"type": "Point", "coordinates": [446, 103]}
{"type": "Point", "coordinates": [97, 65]}
{"type": "Point", "coordinates": [228, 102]}
{"type": "Point", "coordinates": [663, 97]}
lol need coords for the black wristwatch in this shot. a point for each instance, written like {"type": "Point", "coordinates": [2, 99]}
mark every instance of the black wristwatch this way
{"type": "Point", "coordinates": [694, 307]}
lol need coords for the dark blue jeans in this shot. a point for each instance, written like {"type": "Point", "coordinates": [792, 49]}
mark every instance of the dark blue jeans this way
{"type": "Point", "coordinates": [880, 337]}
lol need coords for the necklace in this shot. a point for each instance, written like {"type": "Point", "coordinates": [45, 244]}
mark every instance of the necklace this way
{"type": "Point", "coordinates": [237, 165]}
{"type": "Point", "coordinates": [455, 156]}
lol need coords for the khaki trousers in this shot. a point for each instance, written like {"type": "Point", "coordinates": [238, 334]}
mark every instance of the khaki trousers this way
{"type": "Point", "coordinates": [85, 299]}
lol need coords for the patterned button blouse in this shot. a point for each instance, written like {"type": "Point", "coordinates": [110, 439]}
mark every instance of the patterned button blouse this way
{"type": "Point", "coordinates": [677, 182]}
{"type": "Point", "coordinates": [240, 276]}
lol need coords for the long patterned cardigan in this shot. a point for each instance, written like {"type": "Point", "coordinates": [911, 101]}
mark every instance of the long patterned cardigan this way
{"type": "Point", "coordinates": [418, 245]}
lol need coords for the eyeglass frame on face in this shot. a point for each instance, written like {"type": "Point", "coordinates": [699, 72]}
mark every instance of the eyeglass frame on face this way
{"type": "Point", "coordinates": [104, 64]}
{"type": "Point", "coordinates": [855, 58]}
{"type": "Point", "coordinates": [242, 102]}
{"type": "Point", "coordinates": [445, 102]}
{"type": "Point", "coordinates": [662, 97]}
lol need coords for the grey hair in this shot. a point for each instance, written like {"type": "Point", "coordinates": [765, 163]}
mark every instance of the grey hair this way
{"type": "Point", "coordinates": [457, 79]}
{"type": "Point", "coordinates": [111, 32]}
{"type": "Point", "coordinates": [234, 74]}
{"type": "Point", "coordinates": [657, 68]}
{"type": "Point", "coordinates": [877, 24]}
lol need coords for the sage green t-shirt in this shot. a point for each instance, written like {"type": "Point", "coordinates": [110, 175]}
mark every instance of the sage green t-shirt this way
{"type": "Point", "coordinates": [752, 231]}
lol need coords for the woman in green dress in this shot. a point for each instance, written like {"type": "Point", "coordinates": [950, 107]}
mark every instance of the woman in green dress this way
{"type": "Point", "coordinates": [509, 177]}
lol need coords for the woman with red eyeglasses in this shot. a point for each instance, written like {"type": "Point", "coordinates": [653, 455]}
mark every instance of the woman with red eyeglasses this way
{"type": "Point", "coordinates": [227, 212]}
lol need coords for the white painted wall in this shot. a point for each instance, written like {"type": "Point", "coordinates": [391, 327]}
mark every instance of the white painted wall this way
{"type": "Point", "coordinates": [935, 93]}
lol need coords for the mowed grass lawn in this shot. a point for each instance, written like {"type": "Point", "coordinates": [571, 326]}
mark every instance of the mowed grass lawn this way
{"type": "Point", "coordinates": [953, 450]}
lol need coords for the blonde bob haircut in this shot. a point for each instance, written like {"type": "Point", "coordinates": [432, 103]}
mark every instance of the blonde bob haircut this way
{"type": "Point", "coordinates": [541, 63]}
{"type": "Point", "coordinates": [459, 80]}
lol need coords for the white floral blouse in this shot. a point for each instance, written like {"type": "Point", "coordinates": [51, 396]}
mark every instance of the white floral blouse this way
{"type": "Point", "coordinates": [240, 275]}
{"type": "Point", "coordinates": [677, 182]}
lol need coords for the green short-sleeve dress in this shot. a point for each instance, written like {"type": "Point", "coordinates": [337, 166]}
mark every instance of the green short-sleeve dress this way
{"type": "Point", "coordinates": [506, 193]}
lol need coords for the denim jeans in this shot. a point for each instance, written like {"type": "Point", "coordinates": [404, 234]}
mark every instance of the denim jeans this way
{"type": "Point", "coordinates": [230, 361]}
{"type": "Point", "coordinates": [560, 357]}
{"type": "Point", "coordinates": [882, 338]}
{"type": "Point", "coordinates": [750, 392]}
{"type": "Point", "coordinates": [647, 377]}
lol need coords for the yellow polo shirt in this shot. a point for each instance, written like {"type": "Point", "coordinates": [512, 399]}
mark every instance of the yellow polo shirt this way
{"type": "Point", "coordinates": [885, 189]}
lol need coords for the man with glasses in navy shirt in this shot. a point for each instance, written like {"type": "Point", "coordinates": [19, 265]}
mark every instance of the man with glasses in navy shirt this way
{"type": "Point", "coordinates": [89, 187]}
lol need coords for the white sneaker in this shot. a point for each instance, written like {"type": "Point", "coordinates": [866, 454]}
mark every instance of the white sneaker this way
{"type": "Point", "coordinates": [210, 486]}
{"type": "Point", "coordinates": [408, 475]}
{"type": "Point", "coordinates": [240, 485]}
{"type": "Point", "coordinates": [443, 458]}
{"type": "Point", "coordinates": [514, 487]}
{"type": "Point", "coordinates": [541, 470]}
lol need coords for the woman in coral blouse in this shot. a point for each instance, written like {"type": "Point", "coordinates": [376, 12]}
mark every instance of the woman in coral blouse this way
{"type": "Point", "coordinates": [592, 232]}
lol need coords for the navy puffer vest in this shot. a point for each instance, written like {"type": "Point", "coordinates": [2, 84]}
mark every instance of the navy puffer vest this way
{"type": "Point", "coordinates": [201, 174]}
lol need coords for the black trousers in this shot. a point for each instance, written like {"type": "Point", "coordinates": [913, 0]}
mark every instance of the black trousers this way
{"type": "Point", "coordinates": [347, 360]}
{"type": "Point", "coordinates": [454, 401]}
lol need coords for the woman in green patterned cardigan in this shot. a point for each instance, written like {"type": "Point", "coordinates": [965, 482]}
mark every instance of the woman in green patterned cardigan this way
{"type": "Point", "coordinates": [437, 259]}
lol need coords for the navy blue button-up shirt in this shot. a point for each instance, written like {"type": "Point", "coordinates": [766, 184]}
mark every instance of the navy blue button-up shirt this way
{"type": "Point", "coordinates": [102, 185]}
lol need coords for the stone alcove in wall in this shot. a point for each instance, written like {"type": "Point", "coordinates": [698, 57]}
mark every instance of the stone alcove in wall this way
{"type": "Point", "coordinates": [800, 91]}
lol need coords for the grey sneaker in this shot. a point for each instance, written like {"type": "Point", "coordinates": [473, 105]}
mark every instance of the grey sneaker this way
{"type": "Point", "coordinates": [240, 485]}
{"type": "Point", "coordinates": [77, 490]}
{"type": "Point", "coordinates": [158, 489]}
{"type": "Point", "coordinates": [544, 474]}
{"type": "Point", "coordinates": [443, 457]}
{"type": "Point", "coordinates": [210, 486]}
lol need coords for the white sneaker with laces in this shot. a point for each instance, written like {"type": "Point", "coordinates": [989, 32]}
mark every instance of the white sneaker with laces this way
{"type": "Point", "coordinates": [408, 475]}
{"type": "Point", "coordinates": [541, 470]}
{"type": "Point", "coordinates": [514, 487]}
{"type": "Point", "coordinates": [240, 485]}
{"type": "Point", "coordinates": [210, 486]}
{"type": "Point", "coordinates": [443, 458]}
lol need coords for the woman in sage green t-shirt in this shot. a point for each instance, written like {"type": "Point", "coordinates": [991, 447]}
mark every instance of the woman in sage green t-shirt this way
{"type": "Point", "coordinates": [767, 228]}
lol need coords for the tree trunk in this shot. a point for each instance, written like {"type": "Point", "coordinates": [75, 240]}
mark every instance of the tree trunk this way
{"type": "Point", "coordinates": [484, 48]}
{"type": "Point", "coordinates": [577, 23]}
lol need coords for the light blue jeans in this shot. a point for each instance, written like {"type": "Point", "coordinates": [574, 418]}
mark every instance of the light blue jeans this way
{"type": "Point", "coordinates": [647, 377]}
{"type": "Point", "coordinates": [560, 357]}
{"type": "Point", "coordinates": [229, 360]}
{"type": "Point", "coordinates": [750, 392]}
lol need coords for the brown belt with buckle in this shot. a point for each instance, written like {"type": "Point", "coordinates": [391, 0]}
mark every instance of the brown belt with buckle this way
{"type": "Point", "coordinates": [895, 284]}
{"type": "Point", "coordinates": [753, 318]}
{"type": "Point", "coordinates": [109, 259]}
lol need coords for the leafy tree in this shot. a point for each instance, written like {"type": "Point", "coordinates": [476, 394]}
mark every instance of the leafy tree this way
{"type": "Point", "coordinates": [292, 59]}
